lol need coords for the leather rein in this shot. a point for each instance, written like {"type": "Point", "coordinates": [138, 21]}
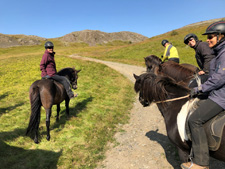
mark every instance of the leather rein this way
{"type": "Point", "coordinates": [174, 99]}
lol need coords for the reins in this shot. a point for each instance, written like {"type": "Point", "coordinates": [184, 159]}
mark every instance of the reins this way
{"type": "Point", "coordinates": [174, 99]}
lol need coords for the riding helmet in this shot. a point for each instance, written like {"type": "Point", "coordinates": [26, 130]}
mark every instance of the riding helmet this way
{"type": "Point", "coordinates": [49, 44]}
{"type": "Point", "coordinates": [217, 28]}
{"type": "Point", "coordinates": [164, 42]}
{"type": "Point", "coordinates": [188, 36]}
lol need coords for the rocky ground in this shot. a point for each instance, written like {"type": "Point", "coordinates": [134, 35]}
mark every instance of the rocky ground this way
{"type": "Point", "coordinates": [143, 142]}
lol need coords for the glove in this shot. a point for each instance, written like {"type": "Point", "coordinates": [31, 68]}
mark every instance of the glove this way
{"type": "Point", "coordinates": [161, 56]}
{"type": "Point", "coordinates": [194, 92]}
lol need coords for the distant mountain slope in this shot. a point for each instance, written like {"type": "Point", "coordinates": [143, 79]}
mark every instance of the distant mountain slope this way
{"type": "Point", "coordinates": [93, 37]}
{"type": "Point", "coordinates": [19, 40]}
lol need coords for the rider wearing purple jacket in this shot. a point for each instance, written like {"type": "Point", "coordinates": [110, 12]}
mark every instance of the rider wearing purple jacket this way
{"type": "Point", "coordinates": [215, 103]}
{"type": "Point", "coordinates": [48, 69]}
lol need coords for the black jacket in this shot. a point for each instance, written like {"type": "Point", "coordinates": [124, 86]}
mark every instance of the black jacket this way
{"type": "Point", "coordinates": [203, 54]}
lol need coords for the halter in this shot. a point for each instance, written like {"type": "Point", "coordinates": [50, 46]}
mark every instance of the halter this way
{"type": "Point", "coordinates": [174, 99]}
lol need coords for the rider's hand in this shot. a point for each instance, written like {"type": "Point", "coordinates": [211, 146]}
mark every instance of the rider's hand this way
{"type": "Point", "coordinates": [201, 72]}
{"type": "Point", "coordinates": [194, 92]}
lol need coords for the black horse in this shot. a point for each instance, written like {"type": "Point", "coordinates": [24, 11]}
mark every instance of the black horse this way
{"type": "Point", "coordinates": [165, 91]}
{"type": "Point", "coordinates": [47, 93]}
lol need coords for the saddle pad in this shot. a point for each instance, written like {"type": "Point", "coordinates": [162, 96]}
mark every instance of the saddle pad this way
{"type": "Point", "coordinates": [182, 116]}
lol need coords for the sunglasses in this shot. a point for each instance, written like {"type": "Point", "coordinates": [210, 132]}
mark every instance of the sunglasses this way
{"type": "Point", "coordinates": [210, 36]}
{"type": "Point", "coordinates": [50, 48]}
{"type": "Point", "coordinates": [187, 41]}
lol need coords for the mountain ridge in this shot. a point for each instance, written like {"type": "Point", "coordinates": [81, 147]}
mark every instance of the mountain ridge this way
{"type": "Point", "coordinates": [90, 37]}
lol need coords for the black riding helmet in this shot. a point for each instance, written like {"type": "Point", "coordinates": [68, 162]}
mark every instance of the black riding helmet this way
{"type": "Point", "coordinates": [49, 44]}
{"type": "Point", "coordinates": [164, 42]}
{"type": "Point", "coordinates": [217, 28]}
{"type": "Point", "coordinates": [188, 36]}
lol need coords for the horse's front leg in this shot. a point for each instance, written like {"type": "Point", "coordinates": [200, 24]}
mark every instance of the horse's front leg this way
{"type": "Point", "coordinates": [58, 110]}
{"type": "Point", "coordinates": [67, 101]}
{"type": "Point", "coordinates": [48, 115]}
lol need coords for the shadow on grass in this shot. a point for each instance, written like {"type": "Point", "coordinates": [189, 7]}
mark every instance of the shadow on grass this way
{"type": "Point", "coordinates": [4, 95]}
{"type": "Point", "coordinates": [12, 157]}
{"type": "Point", "coordinates": [73, 112]}
{"type": "Point", "coordinates": [4, 110]}
{"type": "Point", "coordinates": [7, 109]}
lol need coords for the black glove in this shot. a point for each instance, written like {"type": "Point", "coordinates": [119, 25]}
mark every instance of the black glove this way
{"type": "Point", "coordinates": [193, 93]}
{"type": "Point", "coordinates": [161, 56]}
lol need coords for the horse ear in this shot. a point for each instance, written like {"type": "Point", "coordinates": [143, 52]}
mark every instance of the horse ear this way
{"type": "Point", "coordinates": [135, 76]}
{"type": "Point", "coordinates": [78, 71]}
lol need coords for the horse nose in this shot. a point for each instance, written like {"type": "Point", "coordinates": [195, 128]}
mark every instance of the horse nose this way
{"type": "Point", "coordinates": [74, 87]}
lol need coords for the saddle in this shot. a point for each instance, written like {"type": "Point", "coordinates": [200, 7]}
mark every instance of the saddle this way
{"type": "Point", "coordinates": [213, 128]}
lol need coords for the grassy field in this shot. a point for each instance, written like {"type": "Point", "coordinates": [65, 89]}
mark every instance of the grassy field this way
{"type": "Point", "coordinates": [102, 103]}
{"type": "Point", "coordinates": [76, 142]}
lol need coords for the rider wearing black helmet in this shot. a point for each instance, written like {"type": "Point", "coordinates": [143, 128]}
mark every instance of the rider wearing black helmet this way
{"type": "Point", "coordinates": [48, 69]}
{"type": "Point", "coordinates": [208, 108]}
{"type": "Point", "coordinates": [170, 52]}
{"type": "Point", "coordinates": [49, 44]}
{"type": "Point", "coordinates": [203, 53]}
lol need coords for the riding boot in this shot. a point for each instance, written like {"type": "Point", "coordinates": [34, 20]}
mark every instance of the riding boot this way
{"type": "Point", "coordinates": [191, 165]}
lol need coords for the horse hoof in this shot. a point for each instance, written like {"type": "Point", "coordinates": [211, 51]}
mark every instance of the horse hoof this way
{"type": "Point", "coordinates": [48, 138]}
{"type": "Point", "coordinates": [36, 141]}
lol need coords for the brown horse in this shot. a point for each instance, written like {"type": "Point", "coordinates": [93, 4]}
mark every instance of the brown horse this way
{"type": "Point", "coordinates": [47, 93]}
{"type": "Point", "coordinates": [180, 72]}
{"type": "Point", "coordinates": [165, 91]}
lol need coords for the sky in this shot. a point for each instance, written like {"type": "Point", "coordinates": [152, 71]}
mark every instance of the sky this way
{"type": "Point", "coordinates": [56, 18]}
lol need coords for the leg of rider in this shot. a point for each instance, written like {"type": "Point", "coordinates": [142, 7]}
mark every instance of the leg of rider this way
{"type": "Point", "coordinates": [207, 110]}
{"type": "Point", "coordinates": [65, 83]}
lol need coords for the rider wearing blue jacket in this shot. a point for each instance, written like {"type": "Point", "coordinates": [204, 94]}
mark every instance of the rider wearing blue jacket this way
{"type": "Point", "coordinates": [215, 86]}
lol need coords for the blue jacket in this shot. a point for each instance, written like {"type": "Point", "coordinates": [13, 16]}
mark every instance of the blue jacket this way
{"type": "Point", "coordinates": [215, 84]}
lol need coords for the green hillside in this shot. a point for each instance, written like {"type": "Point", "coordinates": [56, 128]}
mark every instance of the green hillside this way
{"type": "Point", "coordinates": [102, 105]}
{"type": "Point", "coordinates": [134, 54]}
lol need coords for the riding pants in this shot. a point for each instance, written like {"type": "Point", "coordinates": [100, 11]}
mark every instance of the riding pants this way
{"type": "Point", "coordinates": [65, 83]}
{"type": "Point", "coordinates": [207, 110]}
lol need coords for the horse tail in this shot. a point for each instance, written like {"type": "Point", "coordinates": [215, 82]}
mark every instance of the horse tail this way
{"type": "Point", "coordinates": [35, 102]}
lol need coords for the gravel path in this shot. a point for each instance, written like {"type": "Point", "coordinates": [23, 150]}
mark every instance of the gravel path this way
{"type": "Point", "coordinates": [143, 144]}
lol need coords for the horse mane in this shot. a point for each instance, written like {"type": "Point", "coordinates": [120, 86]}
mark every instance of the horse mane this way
{"type": "Point", "coordinates": [159, 88]}
{"type": "Point", "coordinates": [153, 59]}
{"type": "Point", "coordinates": [177, 71]}
{"type": "Point", "coordinates": [66, 71]}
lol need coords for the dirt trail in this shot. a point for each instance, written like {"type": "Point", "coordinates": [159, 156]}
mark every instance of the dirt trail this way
{"type": "Point", "coordinates": [143, 144]}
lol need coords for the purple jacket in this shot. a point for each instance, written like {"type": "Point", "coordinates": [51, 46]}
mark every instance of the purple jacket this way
{"type": "Point", "coordinates": [216, 81]}
{"type": "Point", "coordinates": [47, 65]}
